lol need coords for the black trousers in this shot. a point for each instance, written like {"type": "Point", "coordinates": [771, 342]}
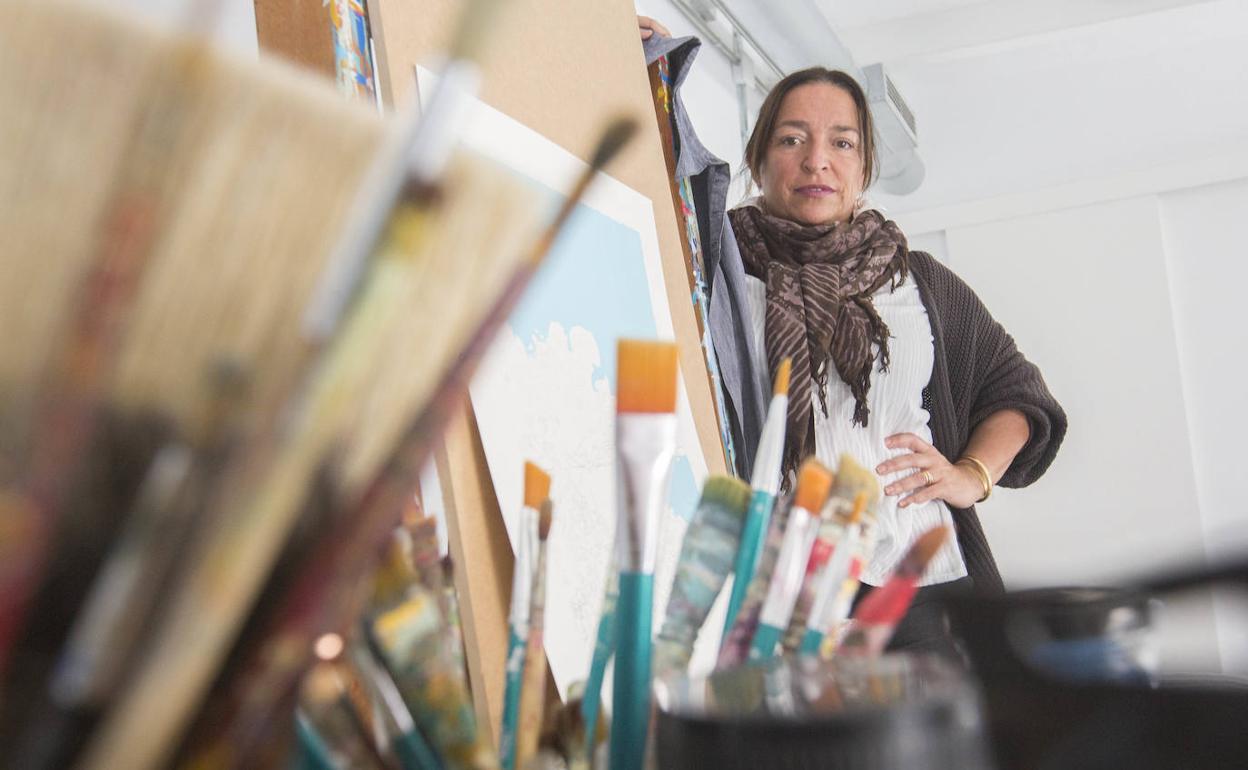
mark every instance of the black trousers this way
{"type": "Point", "coordinates": [925, 627]}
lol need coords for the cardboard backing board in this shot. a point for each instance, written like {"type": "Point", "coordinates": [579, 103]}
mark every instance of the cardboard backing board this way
{"type": "Point", "coordinates": [563, 69]}
{"type": "Point", "coordinates": [297, 30]}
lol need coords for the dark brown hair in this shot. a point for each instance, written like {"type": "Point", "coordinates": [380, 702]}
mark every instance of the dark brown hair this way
{"type": "Point", "coordinates": [760, 137]}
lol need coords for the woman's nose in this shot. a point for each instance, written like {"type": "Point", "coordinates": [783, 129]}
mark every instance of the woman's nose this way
{"type": "Point", "coordinates": [815, 160]}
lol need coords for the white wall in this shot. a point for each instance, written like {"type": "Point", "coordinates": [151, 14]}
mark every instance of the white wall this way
{"type": "Point", "coordinates": [1207, 261]}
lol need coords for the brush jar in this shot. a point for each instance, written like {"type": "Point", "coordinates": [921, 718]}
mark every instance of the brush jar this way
{"type": "Point", "coordinates": [896, 711]}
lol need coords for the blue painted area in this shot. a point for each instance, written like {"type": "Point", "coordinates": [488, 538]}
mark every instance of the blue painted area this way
{"type": "Point", "coordinates": [595, 278]}
{"type": "Point", "coordinates": [684, 492]}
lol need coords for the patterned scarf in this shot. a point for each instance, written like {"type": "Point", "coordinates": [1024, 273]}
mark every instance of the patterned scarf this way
{"type": "Point", "coordinates": [819, 284]}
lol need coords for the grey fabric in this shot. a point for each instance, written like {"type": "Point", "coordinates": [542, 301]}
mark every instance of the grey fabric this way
{"type": "Point", "coordinates": [708, 175]}
{"type": "Point", "coordinates": [709, 178]}
{"type": "Point", "coordinates": [745, 387]}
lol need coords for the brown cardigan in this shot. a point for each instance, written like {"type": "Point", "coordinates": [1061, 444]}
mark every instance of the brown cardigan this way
{"type": "Point", "coordinates": [978, 371]}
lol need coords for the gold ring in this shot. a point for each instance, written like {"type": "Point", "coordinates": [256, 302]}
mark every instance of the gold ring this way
{"type": "Point", "coordinates": [927, 479]}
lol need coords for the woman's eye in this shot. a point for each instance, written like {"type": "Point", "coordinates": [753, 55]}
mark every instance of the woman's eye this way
{"type": "Point", "coordinates": [844, 144]}
{"type": "Point", "coordinates": [789, 141]}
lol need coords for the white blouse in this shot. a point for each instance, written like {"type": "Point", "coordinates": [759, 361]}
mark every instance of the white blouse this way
{"type": "Point", "coordinates": [895, 399]}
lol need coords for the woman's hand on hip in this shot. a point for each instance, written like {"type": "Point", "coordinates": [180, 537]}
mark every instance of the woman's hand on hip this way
{"type": "Point", "coordinates": [956, 485]}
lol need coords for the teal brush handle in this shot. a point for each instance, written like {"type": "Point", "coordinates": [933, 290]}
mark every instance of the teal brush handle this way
{"type": "Point", "coordinates": [511, 700]}
{"type": "Point", "coordinates": [812, 640]}
{"type": "Point", "coordinates": [630, 715]}
{"type": "Point", "coordinates": [414, 752]}
{"type": "Point", "coordinates": [591, 701]}
{"type": "Point", "coordinates": [312, 752]}
{"type": "Point", "coordinates": [765, 640]}
{"type": "Point", "coordinates": [747, 555]}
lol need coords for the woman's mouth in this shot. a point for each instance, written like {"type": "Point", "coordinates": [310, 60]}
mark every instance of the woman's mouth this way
{"type": "Point", "coordinates": [815, 191]}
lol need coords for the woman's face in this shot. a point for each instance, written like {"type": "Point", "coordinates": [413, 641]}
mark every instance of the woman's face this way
{"type": "Point", "coordinates": [812, 170]}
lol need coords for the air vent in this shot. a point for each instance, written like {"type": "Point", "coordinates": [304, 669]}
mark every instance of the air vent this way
{"type": "Point", "coordinates": [900, 105]}
{"type": "Point", "coordinates": [896, 134]}
{"type": "Point", "coordinates": [889, 107]}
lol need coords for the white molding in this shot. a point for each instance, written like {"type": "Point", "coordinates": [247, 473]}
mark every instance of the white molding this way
{"type": "Point", "coordinates": [1225, 166]}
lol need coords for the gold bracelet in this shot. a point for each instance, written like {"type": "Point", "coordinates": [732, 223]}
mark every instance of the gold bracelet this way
{"type": "Point", "coordinates": [979, 469]}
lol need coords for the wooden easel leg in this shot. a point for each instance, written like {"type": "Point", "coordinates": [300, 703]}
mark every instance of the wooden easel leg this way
{"type": "Point", "coordinates": [483, 562]}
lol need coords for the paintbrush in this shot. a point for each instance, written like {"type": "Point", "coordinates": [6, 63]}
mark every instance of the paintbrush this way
{"type": "Point", "coordinates": [765, 481]}
{"type": "Point", "coordinates": [423, 532]}
{"type": "Point", "coordinates": [414, 648]}
{"type": "Point", "coordinates": [834, 575]}
{"type": "Point", "coordinates": [325, 702]}
{"type": "Point", "coordinates": [405, 740]}
{"type": "Point", "coordinates": [533, 693]}
{"type": "Point", "coordinates": [536, 490]}
{"type": "Point", "coordinates": [813, 482]}
{"type": "Point", "coordinates": [833, 520]}
{"type": "Point", "coordinates": [852, 480]}
{"type": "Point", "coordinates": [125, 591]}
{"type": "Point", "coordinates": [346, 549]}
{"type": "Point", "coordinates": [84, 354]}
{"type": "Point", "coordinates": [645, 438]}
{"type": "Point", "coordinates": [349, 547]}
{"type": "Point", "coordinates": [604, 648]}
{"type": "Point", "coordinates": [734, 649]}
{"type": "Point", "coordinates": [706, 557]}
{"type": "Point", "coordinates": [146, 220]}
{"type": "Point", "coordinates": [127, 587]}
{"type": "Point", "coordinates": [878, 615]}
{"type": "Point", "coordinates": [565, 729]}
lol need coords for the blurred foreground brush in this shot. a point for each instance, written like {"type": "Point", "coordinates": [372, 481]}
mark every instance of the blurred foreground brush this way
{"type": "Point", "coordinates": [346, 551]}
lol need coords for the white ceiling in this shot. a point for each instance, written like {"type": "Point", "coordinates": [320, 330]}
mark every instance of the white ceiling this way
{"type": "Point", "coordinates": [849, 14]}
{"type": "Point", "coordinates": [897, 31]}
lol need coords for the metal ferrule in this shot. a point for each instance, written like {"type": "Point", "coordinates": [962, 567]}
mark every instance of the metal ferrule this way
{"type": "Point", "coordinates": [786, 581]}
{"type": "Point", "coordinates": [767, 461]}
{"type": "Point", "coordinates": [834, 575]}
{"type": "Point", "coordinates": [645, 446]}
{"type": "Point", "coordinates": [522, 576]}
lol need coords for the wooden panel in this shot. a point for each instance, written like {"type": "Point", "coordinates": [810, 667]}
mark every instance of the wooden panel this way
{"type": "Point", "coordinates": [297, 30]}
{"type": "Point", "coordinates": [563, 69]}
{"type": "Point", "coordinates": [483, 563]}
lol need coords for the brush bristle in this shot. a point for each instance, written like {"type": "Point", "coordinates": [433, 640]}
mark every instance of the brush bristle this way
{"type": "Point", "coordinates": [647, 377]}
{"type": "Point", "coordinates": [926, 547]}
{"type": "Point", "coordinates": [618, 133]}
{"type": "Point", "coordinates": [727, 492]}
{"type": "Point", "coordinates": [536, 485]}
{"type": "Point", "coordinates": [813, 483]}
{"type": "Point", "coordinates": [782, 378]}
{"type": "Point", "coordinates": [852, 478]}
{"type": "Point", "coordinates": [860, 505]}
{"type": "Point", "coordinates": [545, 516]}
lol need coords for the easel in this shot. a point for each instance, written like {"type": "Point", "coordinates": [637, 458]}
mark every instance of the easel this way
{"type": "Point", "coordinates": [560, 68]}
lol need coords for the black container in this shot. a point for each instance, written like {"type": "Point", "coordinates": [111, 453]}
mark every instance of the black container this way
{"type": "Point", "coordinates": [1047, 707]}
{"type": "Point", "coordinates": [1083, 634]}
{"type": "Point", "coordinates": [898, 711]}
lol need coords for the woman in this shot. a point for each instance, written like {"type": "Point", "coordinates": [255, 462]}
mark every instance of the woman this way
{"type": "Point", "coordinates": [895, 360]}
